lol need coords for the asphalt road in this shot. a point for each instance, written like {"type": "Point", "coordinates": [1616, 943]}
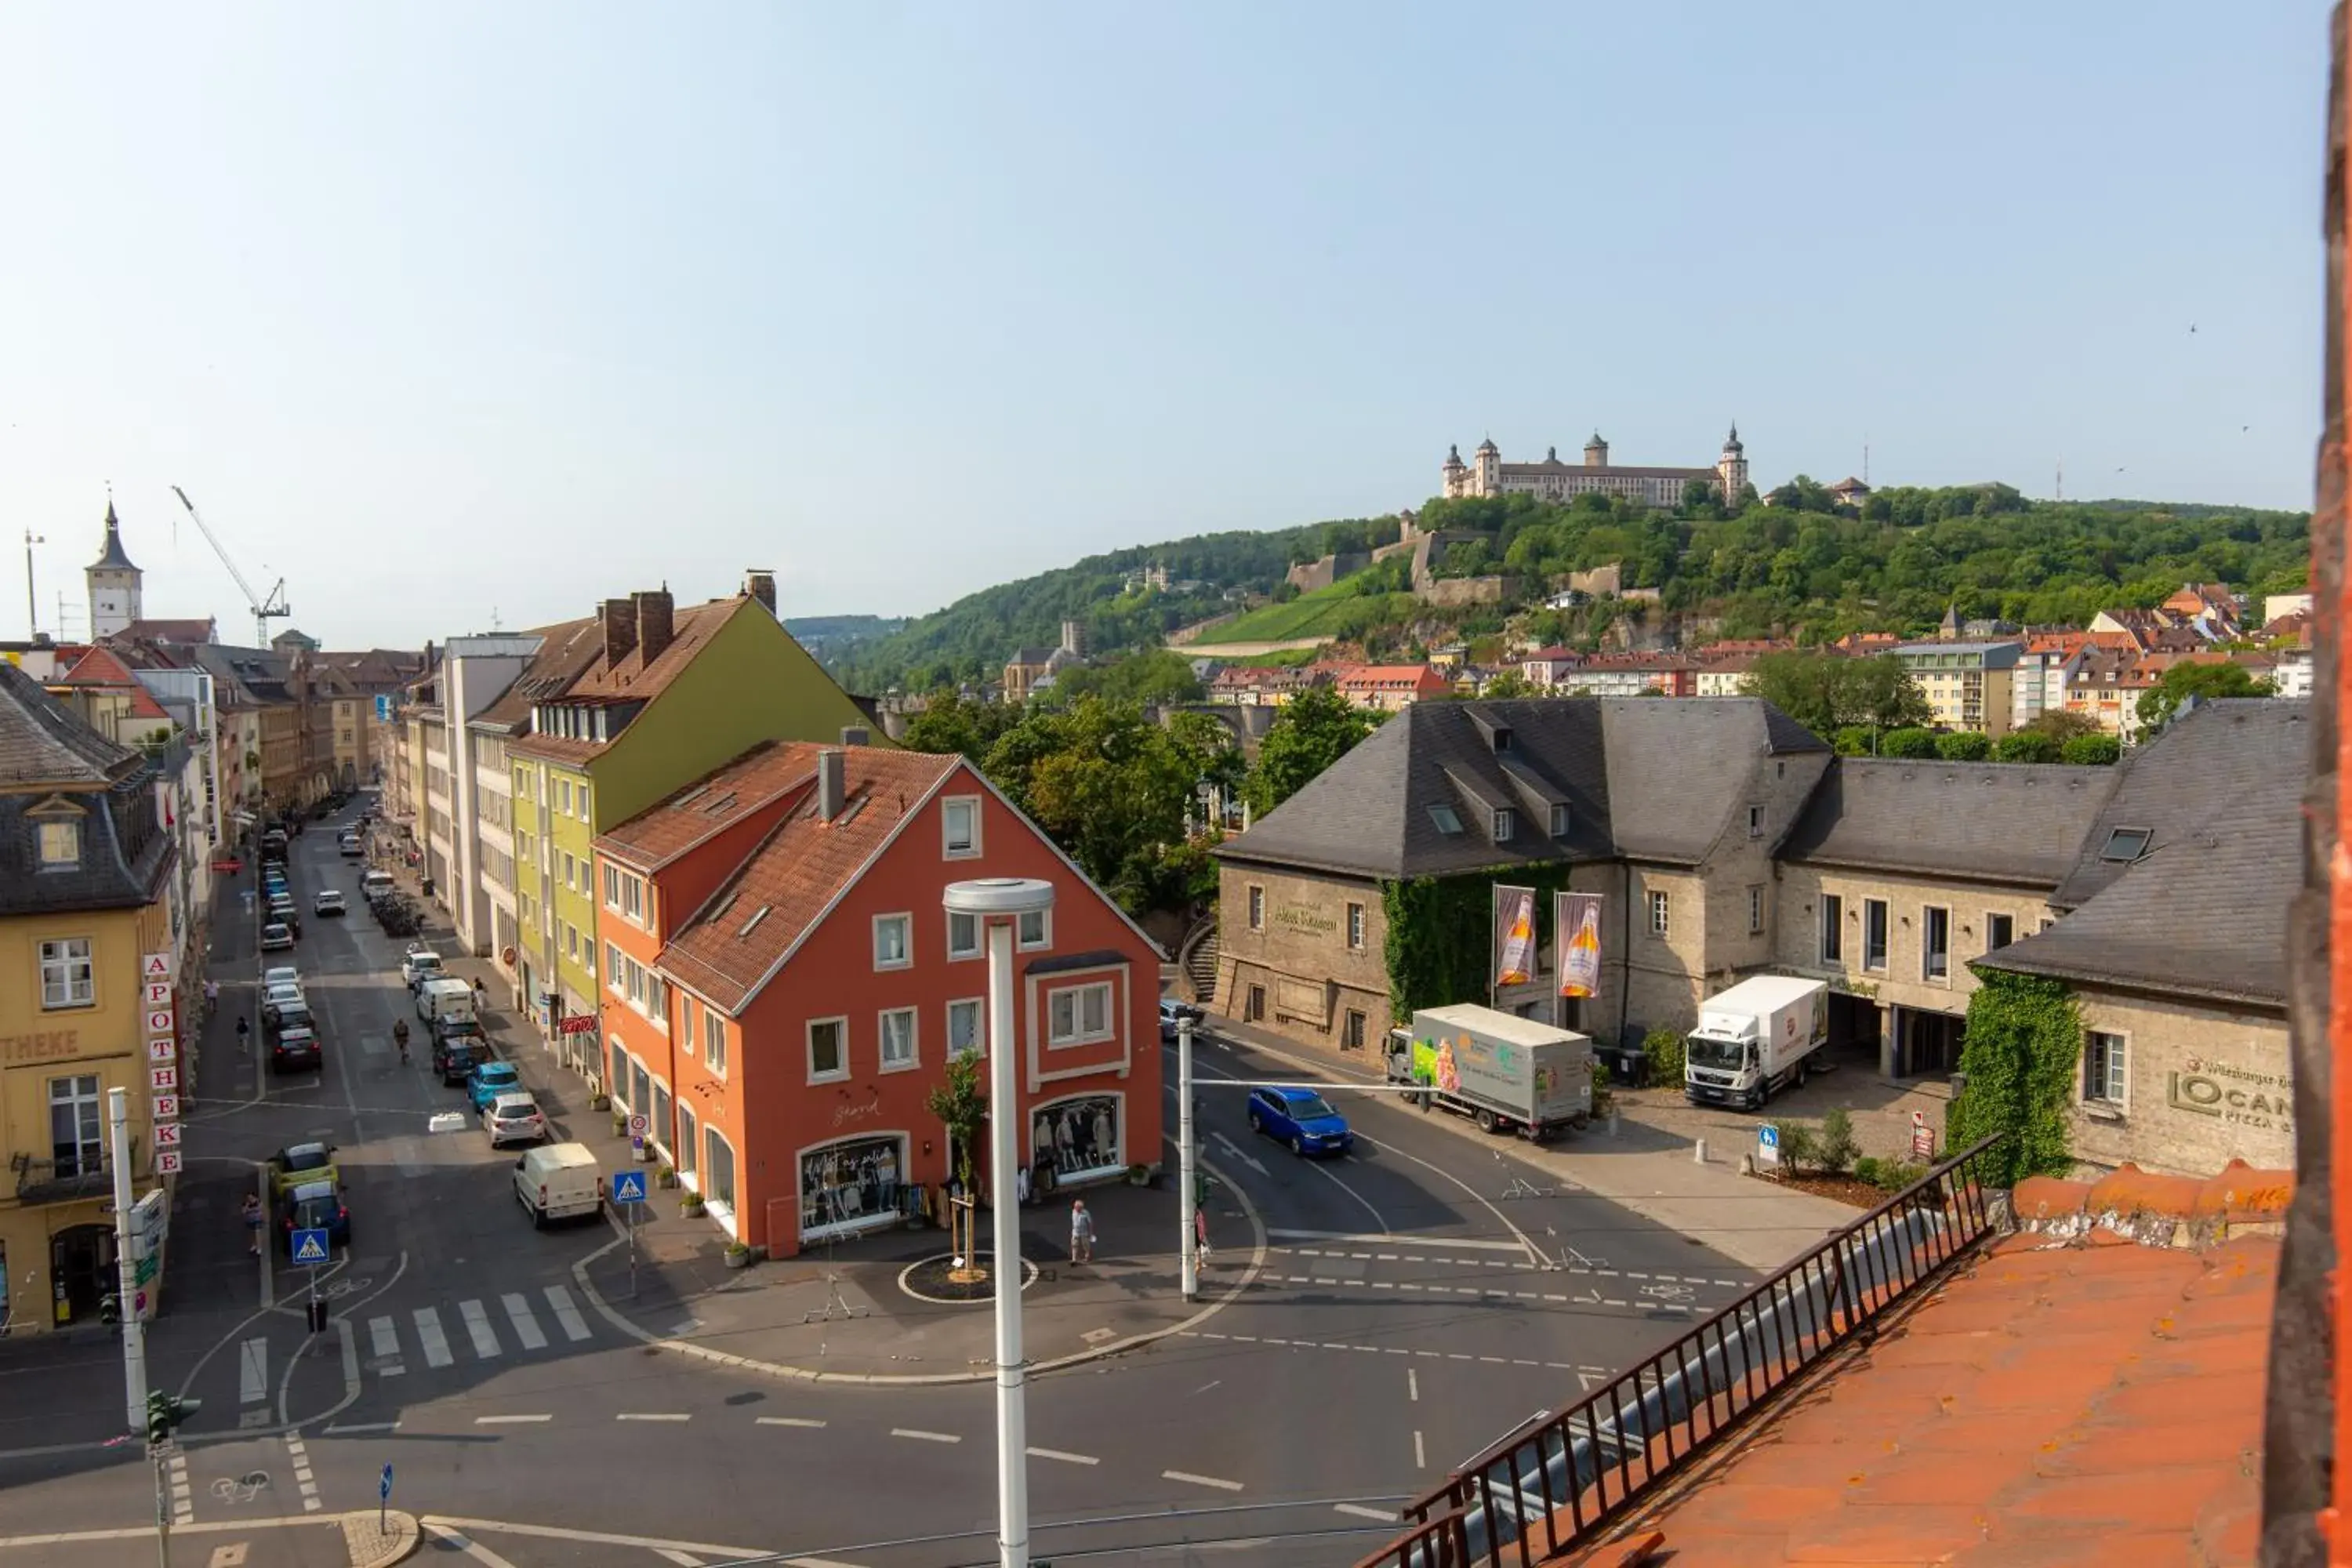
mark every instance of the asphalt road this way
{"type": "Point", "coordinates": [1416, 1300]}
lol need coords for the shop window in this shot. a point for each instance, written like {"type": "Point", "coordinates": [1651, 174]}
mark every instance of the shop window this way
{"type": "Point", "coordinates": [967, 1034]}
{"type": "Point", "coordinates": [658, 1122]}
{"type": "Point", "coordinates": [1079, 1014]}
{"type": "Point", "coordinates": [828, 1049]}
{"type": "Point", "coordinates": [641, 1094]}
{"type": "Point", "coordinates": [68, 976]}
{"type": "Point", "coordinates": [848, 1186]}
{"type": "Point", "coordinates": [617, 1084]}
{"type": "Point", "coordinates": [1077, 1139]}
{"type": "Point", "coordinates": [718, 1173]}
{"type": "Point", "coordinates": [687, 1136]}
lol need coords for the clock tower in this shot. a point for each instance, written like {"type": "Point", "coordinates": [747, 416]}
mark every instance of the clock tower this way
{"type": "Point", "coordinates": [114, 593]}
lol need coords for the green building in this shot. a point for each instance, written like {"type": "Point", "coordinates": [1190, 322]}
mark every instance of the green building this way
{"type": "Point", "coordinates": [671, 695]}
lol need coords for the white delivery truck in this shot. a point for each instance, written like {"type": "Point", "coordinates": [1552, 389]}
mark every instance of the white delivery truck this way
{"type": "Point", "coordinates": [449, 1001]}
{"type": "Point", "coordinates": [1754, 1039]}
{"type": "Point", "coordinates": [1506, 1074]}
{"type": "Point", "coordinates": [558, 1181]}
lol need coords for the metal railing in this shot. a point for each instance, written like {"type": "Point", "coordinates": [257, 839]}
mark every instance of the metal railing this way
{"type": "Point", "coordinates": [1555, 1481]}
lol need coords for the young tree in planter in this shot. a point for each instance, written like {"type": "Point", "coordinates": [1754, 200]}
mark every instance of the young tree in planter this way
{"type": "Point", "coordinates": [962, 1110]}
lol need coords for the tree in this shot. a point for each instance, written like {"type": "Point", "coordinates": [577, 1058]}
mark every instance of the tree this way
{"type": "Point", "coordinates": [2204, 681]}
{"type": "Point", "coordinates": [1314, 730]}
{"type": "Point", "coordinates": [2062, 725]}
{"type": "Point", "coordinates": [962, 1109]}
{"type": "Point", "coordinates": [1507, 683]}
{"type": "Point", "coordinates": [1158, 677]}
{"type": "Point", "coordinates": [1825, 691]}
{"type": "Point", "coordinates": [1964, 746]}
{"type": "Point", "coordinates": [1915, 744]}
{"type": "Point", "coordinates": [2095, 751]}
{"type": "Point", "coordinates": [1111, 788]}
{"type": "Point", "coordinates": [964, 724]}
{"type": "Point", "coordinates": [2025, 746]}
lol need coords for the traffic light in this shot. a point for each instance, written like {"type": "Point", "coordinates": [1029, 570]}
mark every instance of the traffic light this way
{"type": "Point", "coordinates": [165, 1412]}
{"type": "Point", "coordinates": [109, 1309]}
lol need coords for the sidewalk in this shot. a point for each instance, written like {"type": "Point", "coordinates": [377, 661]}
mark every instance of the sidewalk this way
{"type": "Point", "coordinates": [1642, 1166]}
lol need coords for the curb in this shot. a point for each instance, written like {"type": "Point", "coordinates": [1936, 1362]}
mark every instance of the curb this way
{"type": "Point", "coordinates": [374, 1548]}
{"type": "Point", "coordinates": [787, 1372]}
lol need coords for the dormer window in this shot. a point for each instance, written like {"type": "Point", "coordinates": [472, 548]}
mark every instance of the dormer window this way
{"type": "Point", "coordinates": [60, 844]}
{"type": "Point", "coordinates": [1559, 822]}
{"type": "Point", "coordinates": [2125, 845]}
{"type": "Point", "coordinates": [1506, 821]}
{"type": "Point", "coordinates": [1502, 739]}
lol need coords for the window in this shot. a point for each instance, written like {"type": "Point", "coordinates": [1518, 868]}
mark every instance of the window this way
{"type": "Point", "coordinates": [1037, 929]}
{"type": "Point", "coordinates": [1832, 930]}
{"type": "Point", "coordinates": [614, 974]}
{"type": "Point", "coordinates": [1079, 1015]}
{"type": "Point", "coordinates": [1559, 822]}
{"type": "Point", "coordinates": [897, 1039]}
{"type": "Point", "coordinates": [828, 1048]}
{"type": "Point", "coordinates": [2105, 1059]}
{"type": "Point", "coordinates": [1506, 821]}
{"type": "Point", "coordinates": [66, 977]}
{"type": "Point", "coordinates": [657, 1001]}
{"type": "Point", "coordinates": [1356, 927]}
{"type": "Point", "coordinates": [617, 1085]}
{"type": "Point", "coordinates": [892, 946]}
{"type": "Point", "coordinates": [714, 1040]}
{"type": "Point", "coordinates": [76, 1132]}
{"type": "Point", "coordinates": [1756, 911]}
{"type": "Point", "coordinates": [1935, 943]}
{"type": "Point", "coordinates": [570, 941]}
{"type": "Point", "coordinates": [60, 846]}
{"type": "Point", "coordinates": [564, 796]}
{"type": "Point", "coordinates": [966, 1035]}
{"type": "Point", "coordinates": [1873, 934]}
{"type": "Point", "coordinates": [687, 1136]}
{"type": "Point", "coordinates": [1755, 822]}
{"type": "Point", "coordinates": [960, 827]}
{"type": "Point", "coordinates": [1999, 931]}
{"type": "Point", "coordinates": [1447, 821]}
{"type": "Point", "coordinates": [1660, 914]}
{"type": "Point", "coordinates": [570, 868]}
{"type": "Point", "coordinates": [1351, 1031]}
{"type": "Point", "coordinates": [522, 784]}
{"type": "Point", "coordinates": [718, 1171]}
{"type": "Point", "coordinates": [633, 898]}
{"type": "Point", "coordinates": [612, 887]}
{"type": "Point", "coordinates": [1257, 909]}
{"type": "Point", "coordinates": [583, 788]}
{"type": "Point", "coordinates": [2125, 845]}
{"type": "Point", "coordinates": [963, 936]}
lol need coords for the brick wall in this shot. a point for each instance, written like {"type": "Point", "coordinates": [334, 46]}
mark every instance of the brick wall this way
{"type": "Point", "coordinates": [2204, 1086]}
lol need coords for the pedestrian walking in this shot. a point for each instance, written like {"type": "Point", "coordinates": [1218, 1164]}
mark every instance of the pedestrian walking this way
{"type": "Point", "coordinates": [243, 1031]}
{"type": "Point", "coordinates": [1200, 1234]}
{"type": "Point", "coordinates": [252, 1226]}
{"type": "Point", "coordinates": [212, 998]}
{"type": "Point", "coordinates": [1082, 1232]}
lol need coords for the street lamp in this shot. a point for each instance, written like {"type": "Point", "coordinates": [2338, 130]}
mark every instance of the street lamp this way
{"type": "Point", "coordinates": [997, 904]}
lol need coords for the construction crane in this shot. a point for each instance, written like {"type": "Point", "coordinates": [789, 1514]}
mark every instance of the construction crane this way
{"type": "Point", "coordinates": [265, 610]}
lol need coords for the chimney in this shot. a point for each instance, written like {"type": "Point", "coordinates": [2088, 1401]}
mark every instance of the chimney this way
{"type": "Point", "coordinates": [829, 784]}
{"type": "Point", "coordinates": [759, 583]}
{"type": "Point", "coordinates": [620, 619]}
{"type": "Point", "coordinates": [655, 627]}
{"type": "Point", "coordinates": [856, 735]}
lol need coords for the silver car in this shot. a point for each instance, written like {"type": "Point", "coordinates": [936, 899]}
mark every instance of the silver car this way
{"type": "Point", "coordinates": [514, 1119]}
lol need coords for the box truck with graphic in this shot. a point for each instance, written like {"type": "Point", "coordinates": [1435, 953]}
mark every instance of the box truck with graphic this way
{"type": "Point", "coordinates": [1506, 1074]}
{"type": "Point", "coordinates": [1754, 1040]}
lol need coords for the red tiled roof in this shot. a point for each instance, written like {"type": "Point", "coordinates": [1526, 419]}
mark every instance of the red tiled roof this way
{"type": "Point", "coordinates": [798, 870]}
{"type": "Point", "coordinates": [692, 813]}
{"type": "Point", "coordinates": [633, 679]}
{"type": "Point", "coordinates": [1387, 676]}
{"type": "Point", "coordinates": [180, 631]}
{"type": "Point", "coordinates": [101, 667]}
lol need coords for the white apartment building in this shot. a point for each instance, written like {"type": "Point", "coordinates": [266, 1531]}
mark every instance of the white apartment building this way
{"type": "Point", "coordinates": [474, 803]}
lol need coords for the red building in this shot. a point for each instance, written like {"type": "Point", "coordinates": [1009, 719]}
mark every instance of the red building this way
{"type": "Point", "coordinates": [783, 919]}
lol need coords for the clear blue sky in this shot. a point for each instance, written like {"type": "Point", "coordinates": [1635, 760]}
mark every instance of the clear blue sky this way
{"type": "Point", "coordinates": [443, 310]}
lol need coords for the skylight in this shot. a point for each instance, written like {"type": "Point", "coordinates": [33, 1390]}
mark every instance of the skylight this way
{"type": "Point", "coordinates": [721, 803]}
{"type": "Point", "coordinates": [2125, 845]}
{"type": "Point", "coordinates": [696, 793]}
{"type": "Point", "coordinates": [1448, 823]}
{"type": "Point", "coordinates": [752, 924]}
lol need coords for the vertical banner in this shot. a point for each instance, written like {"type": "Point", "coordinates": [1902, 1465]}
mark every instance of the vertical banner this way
{"type": "Point", "coordinates": [1515, 937]}
{"type": "Point", "coordinates": [1576, 924]}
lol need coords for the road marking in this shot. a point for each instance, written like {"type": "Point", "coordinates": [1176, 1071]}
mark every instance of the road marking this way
{"type": "Point", "coordinates": [468, 1546]}
{"type": "Point", "coordinates": [253, 1371]}
{"type": "Point", "coordinates": [183, 1501]}
{"type": "Point", "coordinates": [1413, 1383]}
{"type": "Point", "coordinates": [478, 1326]}
{"type": "Point", "coordinates": [1361, 1511]}
{"type": "Point", "coordinates": [386, 1341]}
{"type": "Point", "coordinates": [1190, 1480]}
{"type": "Point", "coordinates": [1420, 1460]}
{"type": "Point", "coordinates": [1386, 1239]}
{"type": "Point", "coordinates": [310, 1503]}
{"type": "Point", "coordinates": [922, 1436]}
{"type": "Point", "coordinates": [652, 1416]}
{"type": "Point", "coordinates": [671, 1554]}
{"type": "Point", "coordinates": [575, 1328]}
{"type": "Point", "coordinates": [526, 1327]}
{"type": "Point", "coordinates": [356, 1427]}
{"type": "Point", "coordinates": [787, 1421]}
{"type": "Point", "coordinates": [1065, 1459]}
{"type": "Point", "coordinates": [511, 1420]}
{"type": "Point", "coordinates": [428, 1333]}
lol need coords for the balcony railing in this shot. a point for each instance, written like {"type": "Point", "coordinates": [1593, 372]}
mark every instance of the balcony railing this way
{"type": "Point", "coordinates": [1557, 1482]}
{"type": "Point", "coordinates": [65, 1182]}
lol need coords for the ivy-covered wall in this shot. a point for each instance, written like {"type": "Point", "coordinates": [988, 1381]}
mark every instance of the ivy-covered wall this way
{"type": "Point", "coordinates": [1441, 932]}
{"type": "Point", "coordinates": [2024, 1042]}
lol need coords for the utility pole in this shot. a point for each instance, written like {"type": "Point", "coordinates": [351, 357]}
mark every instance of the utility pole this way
{"type": "Point", "coordinates": [32, 605]}
{"type": "Point", "coordinates": [1186, 1203]}
{"type": "Point", "coordinates": [134, 1339]}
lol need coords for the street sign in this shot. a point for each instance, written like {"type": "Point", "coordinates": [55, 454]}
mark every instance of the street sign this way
{"type": "Point", "coordinates": [1767, 1144]}
{"type": "Point", "coordinates": [143, 1270]}
{"type": "Point", "coordinates": [310, 1245]}
{"type": "Point", "coordinates": [167, 1134]}
{"type": "Point", "coordinates": [1923, 1138]}
{"type": "Point", "coordinates": [637, 1126]}
{"type": "Point", "coordinates": [167, 1161]}
{"type": "Point", "coordinates": [167, 1105]}
{"type": "Point", "coordinates": [384, 1486]}
{"type": "Point", "coordinates": [162, 1050]}
{"type": "Point", "coordinates": [628, 1186]}
{"type": "Point", "coordinates": [163, 1079]}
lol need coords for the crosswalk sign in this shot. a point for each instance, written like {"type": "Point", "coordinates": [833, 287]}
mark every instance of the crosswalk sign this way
{"type": "Point", "coordinates": [309, 1246]}
{"type": "Point", "coordinates": [628, 1186]}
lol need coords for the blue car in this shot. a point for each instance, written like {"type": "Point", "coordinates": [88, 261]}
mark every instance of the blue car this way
{"type": "Point", "coordinates": [490, 1080]}
{"type": "Point", "coordinates": [1300, 1118]}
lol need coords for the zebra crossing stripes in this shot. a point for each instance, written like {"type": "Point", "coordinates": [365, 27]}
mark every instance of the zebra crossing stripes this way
{"type": "Point", "coordinates": [575, 1327]}
{"type": "Point", "coordinates": [384, 1340]}
{"type": "Point", "coordinates": [429, 1335]}
{"type": "Point", "coordinates": [483, 1334]}
{"type": "Point", "coordinates": [526, 1327]}
{"type": "Point", "coordinates": [477, 1327]}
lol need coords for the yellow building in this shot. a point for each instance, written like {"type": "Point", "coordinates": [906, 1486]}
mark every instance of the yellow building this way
{"type": "Point", "coordinates": [1967, 684]}
{"type": "Point", "coordinates": [85, 867]}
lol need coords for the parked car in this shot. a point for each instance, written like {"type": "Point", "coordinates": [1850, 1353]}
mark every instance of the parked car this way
{"type": "Point", "coordinates": [315, 1205]}
{"type": "Point", "coordinates": [280, 974]}
{"type": "Point", "coordinates": [455, 1057]}
{"type": "Point", "coordinates": [286, 993]}
{"type": "Point", "coordinates": [1301, 1119]}
{"type": "Point", "coordinates": [281, 908]}
{"type": "Point", "coordinates": [291, 1015]}
{"type": "Point", "coordinates": [300, 1162]}
{"type": "Point", "coordinates": [330, 901]}
{"type": "Point", "coordinates": [350, 848]}
{"type": "Point", "coordinates": [296, 1050]}
{"type": "Point", "coordinates": [419, 964]}
{"type": "Point", "coordinates": [513, 1119]}
{"type": "Point", "coordinates": [491, 1079]}
{"type": "Point", "coordinates": [275, 937]}
{"type": "Point", "coordinates": [374, 883]}
{"type": "Point", "coordinates": [1173, 1012]}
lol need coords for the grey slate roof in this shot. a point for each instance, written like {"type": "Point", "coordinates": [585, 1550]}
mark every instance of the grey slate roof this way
{"type": "Point", "coordinates": [113, 556]}
{"type": "Point", "coordinates": [41, 742]}
{"type": "Point", "coordinates": [109, 790]}
{"type": "Point", "coordinates": [1645, 778]}
{"type": "Point", "coordinates": [2203, 910]}
{"type": "Point", "coordinates": [1994, 821]}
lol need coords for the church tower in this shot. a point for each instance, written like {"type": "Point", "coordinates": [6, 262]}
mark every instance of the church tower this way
{"type": "Point", "coordinates": [1731, 468]}
{"type": "Point", "coordinates": [114, 593]}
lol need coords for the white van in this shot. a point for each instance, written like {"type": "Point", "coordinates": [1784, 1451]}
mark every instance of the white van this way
{"type": "Point", "coordinates": [375, 882]}
{"type": "Point", "coordinates": [558, 1181]}
{"type": "Point", "coordinates": [446, 1001]}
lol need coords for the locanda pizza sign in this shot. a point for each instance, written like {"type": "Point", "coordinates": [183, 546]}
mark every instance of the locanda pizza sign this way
{"type": "Point", "coordinates": [2231, 1094]}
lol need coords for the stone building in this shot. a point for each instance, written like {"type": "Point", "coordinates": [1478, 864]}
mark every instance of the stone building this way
{"type": "Point", "coordinates": [1487, 475]}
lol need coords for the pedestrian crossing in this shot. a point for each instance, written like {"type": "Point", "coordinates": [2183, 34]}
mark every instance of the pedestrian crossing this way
{"type": "Point", "coordinates": [471, 1330]}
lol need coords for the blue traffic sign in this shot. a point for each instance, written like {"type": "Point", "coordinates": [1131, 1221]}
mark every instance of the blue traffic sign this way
{"type": "Point", "coordinates": [309, 1246]}
{"type": "Point", "coordinates": [383, 1486]}
{"type": "Point", "coordinates": [1769, 1136]}
{"type": "Point", "coordinates": [628, 1186]}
